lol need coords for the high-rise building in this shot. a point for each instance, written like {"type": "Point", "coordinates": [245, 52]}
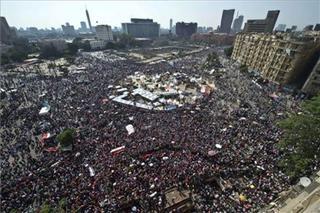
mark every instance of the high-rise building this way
{"type": "Point", "coordinates": [170, 24]}
{"type": "Point", "coordinates": [255, 25]}
{"type": "Point", "coordinates": [262, 25]}
{"type": "Point", "coordinates": [185, 30]}
{"type": "Point", "coordinates": [142, 28]}
{"type": "Point", "coordinates": [5, 36]}
{"type": "Point", "coordinates": [308, 28]}
{"type": "Point", "coordinates": [294, 28]}
{"type": "Point", "coordinates": [226, 21]}
{"type": "Point", "coordinates": [317, 27]}
{"type": "Point", "coordinates": [271, 20]}
{"type": "Point", "coordinates": [281, 28]}
{"type": "Point", "coordinates": [83, 26]}
{"type": "Point", "coordinates": [237, 24]}
{"type": "Point", "coordinates": [104, 32]}
{"type": "Point", "coordinates": [68, 30]}
{"type": "Point", "coordinates": [88, 18]}
{"type": "Point", "coordinates": [283, 58]}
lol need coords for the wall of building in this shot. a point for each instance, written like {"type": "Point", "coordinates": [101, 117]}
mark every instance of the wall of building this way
{"type": "Point", "coordinates": [186, 29]}
{"type": "Point", "coordinates": [142, 30]}
{"type": "Point", "coordinates": [104, 32]}
{"type": "Point", "coordinates": [275, 57]}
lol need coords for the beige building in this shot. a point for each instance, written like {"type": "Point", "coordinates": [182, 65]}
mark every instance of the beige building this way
{"type": "Point", "coordinates": [278, 57]}
{"type": "Point", "coordinates": [104, 32]}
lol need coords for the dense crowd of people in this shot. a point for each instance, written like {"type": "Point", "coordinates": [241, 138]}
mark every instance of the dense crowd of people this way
{"type": "Point", "coordinates": [229, 135]}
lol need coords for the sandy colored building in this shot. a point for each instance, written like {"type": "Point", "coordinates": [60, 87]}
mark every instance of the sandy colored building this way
{"type": "Point", "coordinates": [278, 57]}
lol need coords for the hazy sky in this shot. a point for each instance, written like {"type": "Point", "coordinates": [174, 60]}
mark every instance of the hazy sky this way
{"type": "Point", "coordinates": [46, 14]}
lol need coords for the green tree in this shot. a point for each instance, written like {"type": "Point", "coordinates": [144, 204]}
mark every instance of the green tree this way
{"type": "Point", "coordinates": [72, 48]}
{"type": "Point", "coordinates": [46, 208]}
{"type": "Point", "coordinates": [243, 68]}
{"type": "Point", "coordinates": [62, 205]}
{"type": "Point", "coordinates": [66, 137]}
{"type": "Point", "coordinates": [49, 51]}
{"type": "Point", "coordinates": [111, 45]}
{"type": "Point", "coordinates": [86, 46]}
{"type": "Point", "coordinates": [228, 51]}
{"type": "Point", "coordinates": [51, 66]}
{"type": "Point", "coordinates": [301, 141]}
{"type": "Point", "coordinates": [211, 61]}
{"type": "Point", "coordinates": [126, 40]}
{"type": "Point", "coordinates": [5, 59]}
{"type": "Point", "coordinates": [304, 64]}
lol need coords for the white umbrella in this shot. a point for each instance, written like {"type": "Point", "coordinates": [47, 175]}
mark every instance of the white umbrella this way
{"type": "Point", "coordinates": [218, 146]}
{"type": "Point", "coordinates": [130, 129]}
{"type": "Point", "coordinates": [304, 181]}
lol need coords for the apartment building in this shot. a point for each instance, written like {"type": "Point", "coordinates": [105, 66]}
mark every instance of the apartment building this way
{"type": "Point", "coordinates": [276, 56]}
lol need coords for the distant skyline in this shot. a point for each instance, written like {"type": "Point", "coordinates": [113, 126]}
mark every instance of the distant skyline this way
{"type": "Point", "coordinates": [47, 14]}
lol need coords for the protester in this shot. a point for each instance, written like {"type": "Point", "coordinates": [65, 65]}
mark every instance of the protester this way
{"type": "Point", "coordinates": [236, 122]}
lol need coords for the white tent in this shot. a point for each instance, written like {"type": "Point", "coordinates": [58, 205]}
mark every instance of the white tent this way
{"type": "Point", "coordinates": [130, 129]}
{"type": "Point", "coordinates": [44, 110]}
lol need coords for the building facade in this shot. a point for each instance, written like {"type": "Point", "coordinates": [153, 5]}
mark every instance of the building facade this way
{"type": "Point", "coordinates": [83, 26]}
{"type": "Point", "coordinates": [271, 20]}
{"type": "Point", "coordinates": [237, 24]}
{"type": "Point", "coordinates": [97, 44]}
{"type": "Point", "coordinates": [226, 21]}
{"type": "Point", "coordinates": [262, 25]}
{"type": "Point", "coordinates": [281, 28]}
{"type": "Point", "coordinates": [68, 30]}
{"type": "Point", "coordinates": [104, 32]}
{"type": "Point", "coordinates": [142, 28]}
{"type": "Point", "coordinates": [185, 30]}
{"type": "Point", "coordinates": [308, 28]}
{"type": "Point", "coordinates": [276, 57]}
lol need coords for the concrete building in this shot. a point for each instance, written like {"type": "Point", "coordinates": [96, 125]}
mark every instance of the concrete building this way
{"type": "Point", "coordinates": [271, 20]}
{"type": "Point", "coordinates": [312, 84]}
{"type": "Point", "coordinates": [281, 28]}
{"type": "Point", "coordinates": [308, 28]}
{"type": "Point", "coordinates": [97, 44]}
{"type": "Point", "coordinates": [185, 30]}
{"type": "Point", "coordinates": [104, 32]}
{"type": "Point", "coordinates": [317, 27]}
{"type": "Point", "coordinates": [83, 26]}
{"type": "Point", "coordinates": [226, 21]}
{"type": "Point", "coordinates": [237, 24]}
{"type": "Point", "coordinates": [255, 25]}
{"type": "Point", "coordinates": [294, 28]}
{"type": "Point", "coordinates": [142, 28]}
{"type": "Point", "coordinates": [59, 44]}
{"type": "Point", "coordinates": [280, 58]}
{"type": "Point", "coordinates": [262, 25]}
{"type": "Point", "coordinates": [68, 30]}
